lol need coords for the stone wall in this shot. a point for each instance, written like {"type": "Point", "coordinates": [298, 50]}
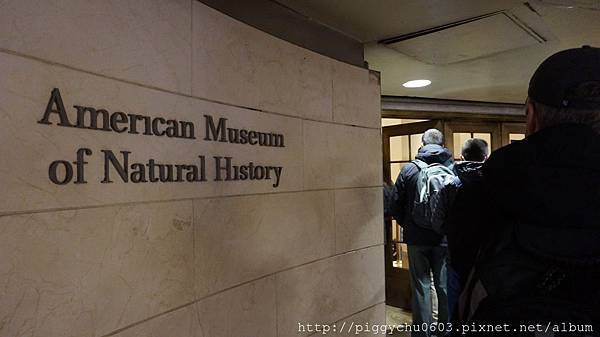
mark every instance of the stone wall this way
{"type": "Point", "coordinates": [179, 259]}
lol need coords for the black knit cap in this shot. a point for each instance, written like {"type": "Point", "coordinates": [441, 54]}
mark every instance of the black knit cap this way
{"type": "Point", "coordinates": [569, 78]}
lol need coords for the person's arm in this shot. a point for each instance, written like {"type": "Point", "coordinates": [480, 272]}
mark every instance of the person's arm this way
{"type": "Point", "coordinates": [398, 205]}
{"type": "Point", "coordinates": [389, 192]}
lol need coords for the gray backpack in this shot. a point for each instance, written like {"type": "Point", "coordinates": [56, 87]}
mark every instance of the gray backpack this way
{"type": "Point", "coordinates": [430, 180]}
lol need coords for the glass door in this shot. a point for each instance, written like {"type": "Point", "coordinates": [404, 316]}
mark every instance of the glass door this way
{"type": "Point", "coordinates": [496, 134]}
{"type": "Point", "coordinates": [400, 146]}
{"type": "Point", "coordinates": [457, 132]}
{"type": "Point", "coordinates": [512, 132]}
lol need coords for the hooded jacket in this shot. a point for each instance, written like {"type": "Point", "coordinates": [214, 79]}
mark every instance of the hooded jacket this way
{"type": "Point", "coordinates": [469, 172]}
{"type": "Point", "coordinates": [461, 222]}
{"type": "Point", "coordinates": [405, 189]}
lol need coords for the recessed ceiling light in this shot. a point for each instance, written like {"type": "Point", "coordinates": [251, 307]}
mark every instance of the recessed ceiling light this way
{"type": "Point", "coordinates": [416, 83]}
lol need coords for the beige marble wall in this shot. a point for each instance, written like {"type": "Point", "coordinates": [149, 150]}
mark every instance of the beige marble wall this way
{"type": "Point", "coordinates": [183, 259]}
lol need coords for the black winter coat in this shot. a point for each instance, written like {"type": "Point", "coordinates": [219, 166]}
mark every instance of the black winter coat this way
{"type": "Point", "coordinates": [462, 220]}
{"type": "Point", "coordinates": [405, 194]}
{"type": "Point", "coordinates": [546, 187]}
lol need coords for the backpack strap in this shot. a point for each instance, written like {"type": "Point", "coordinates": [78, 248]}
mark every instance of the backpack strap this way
{"type": "Point", "coordinates": [420, 164]}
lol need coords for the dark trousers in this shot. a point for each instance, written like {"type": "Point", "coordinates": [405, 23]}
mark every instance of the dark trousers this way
{"type": "Point", "coordinates": [423, 262]}
{"type": "Point", "coordinates": [454, 289]}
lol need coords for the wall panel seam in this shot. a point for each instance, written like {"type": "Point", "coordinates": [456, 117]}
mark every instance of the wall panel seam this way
{"type": "Point", "coordinates": [348, 316]}
{"type": "Point", "coordinates": [135, 203]}
{"type": "Point", "coordinates": [112, 333]}
{"type": "Point", "coordinates": [335, 227]}
{"type": "Point", "coordinates": [275, 282]}
{"type": "Point", "coordinates": [191, 47]}
{"type": "Point", "coordinates": [273, 274]}
{"type": "Point", "coordinates": [147, 86]}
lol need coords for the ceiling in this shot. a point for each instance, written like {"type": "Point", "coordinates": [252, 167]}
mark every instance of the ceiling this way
{"type": "Point", "coordinates": [490, 59]}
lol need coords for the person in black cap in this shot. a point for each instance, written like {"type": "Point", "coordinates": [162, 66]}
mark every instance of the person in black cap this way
{"type": "Point", "coordinates": [538, 256]}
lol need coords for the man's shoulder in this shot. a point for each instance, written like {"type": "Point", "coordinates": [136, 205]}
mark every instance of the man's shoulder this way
{"type": "Point", "coordinates": [410, 169]}
{"type": "Point", "coordinates": [472, 193]}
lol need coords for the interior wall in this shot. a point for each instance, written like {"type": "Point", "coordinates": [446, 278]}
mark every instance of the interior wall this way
{"type": "Point", "coordinates": [203, 258]}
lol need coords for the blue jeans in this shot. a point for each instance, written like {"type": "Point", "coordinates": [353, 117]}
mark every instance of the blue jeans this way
{"type": "Point", "coordinates": [423, 262]}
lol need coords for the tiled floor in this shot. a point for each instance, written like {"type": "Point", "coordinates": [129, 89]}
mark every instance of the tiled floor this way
{"type": "Point", "coordinates": [397, 316]}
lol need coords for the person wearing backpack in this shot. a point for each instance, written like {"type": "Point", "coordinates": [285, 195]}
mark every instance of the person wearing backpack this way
{"type": "Point", "coordinates": [426, 248]}
{"type": "Point", "coordinates": [452, 214]}
{"type": "Point", "coordinates": [539, 261]}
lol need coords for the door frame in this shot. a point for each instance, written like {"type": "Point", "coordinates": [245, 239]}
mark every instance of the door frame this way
{"type": "Point", "coordinates": [402, 129]}
{"type": "Point", "coordinates": [493, 128]}
{"type": "Point", "coordinates": [397, 280]}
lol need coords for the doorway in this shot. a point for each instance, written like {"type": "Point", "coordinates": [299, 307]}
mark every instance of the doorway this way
{"type": "Point", "coordinates": [401, 141]}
